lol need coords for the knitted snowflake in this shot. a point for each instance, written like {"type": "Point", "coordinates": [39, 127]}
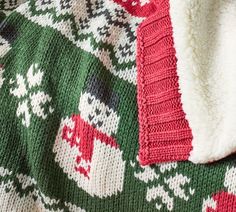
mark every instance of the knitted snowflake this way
{"type": "Point", "coordinates": [166, 187]}
{"type": "Point", "coordinates": [31, 100]}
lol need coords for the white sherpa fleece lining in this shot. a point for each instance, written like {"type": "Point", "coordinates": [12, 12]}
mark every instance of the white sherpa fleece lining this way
{"type": "Point", "coordinates": [205, 41]}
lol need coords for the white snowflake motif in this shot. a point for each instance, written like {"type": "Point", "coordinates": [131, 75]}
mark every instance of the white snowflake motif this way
{"type": "Point", "coordinates": [176, 184]}
{"type": "Point", "coordinates": [30, 102]}
{"type": "Point", "coordinates": [9, 5]}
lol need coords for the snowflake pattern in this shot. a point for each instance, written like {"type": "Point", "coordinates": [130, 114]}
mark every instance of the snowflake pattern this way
{"type": "Point", "coordinates": [12, 4]}
{"type": "Point", "coordinates": [166, 189]}
{"type": "Point", "coordinates": [30, 101]}
{"type": "Point", "coordinates": [101, 27]}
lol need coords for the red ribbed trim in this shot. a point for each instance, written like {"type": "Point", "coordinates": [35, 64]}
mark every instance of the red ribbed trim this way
{"type": "Point", "coordinates": [164, 132]}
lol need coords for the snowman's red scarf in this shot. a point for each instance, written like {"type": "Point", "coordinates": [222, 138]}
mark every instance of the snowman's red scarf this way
{"type": "Point", "coordinates": [82, 136]}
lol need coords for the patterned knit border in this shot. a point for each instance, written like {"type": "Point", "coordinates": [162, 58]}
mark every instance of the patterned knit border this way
{"type": "Point", "coordinates": [164, 132]}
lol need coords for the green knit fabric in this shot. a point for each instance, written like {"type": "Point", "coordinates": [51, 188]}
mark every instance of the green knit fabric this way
{"type": "Point", "coordinates": [48, 78]}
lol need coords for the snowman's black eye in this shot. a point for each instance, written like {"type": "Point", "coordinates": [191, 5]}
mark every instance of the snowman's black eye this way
{"type": "Point", "coordinates": [108, 113]}
{"type": "Point", "coordinates": [90, 100]}
{"type": "Point", "coordinates": [99, 123]}
{"type": "Point", "coordinates": [90, 117]}
{"type": "Point", "coordinates": [97, 111]}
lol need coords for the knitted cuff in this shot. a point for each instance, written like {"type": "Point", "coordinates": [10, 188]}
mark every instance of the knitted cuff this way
{"type": "Point", "coordinates": [164, 132]}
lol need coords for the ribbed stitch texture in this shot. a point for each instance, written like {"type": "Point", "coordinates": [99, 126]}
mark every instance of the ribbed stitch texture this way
{"type": "Point", "coordinates": [69, 117]}
{"type": "Point", "coordinates": [164, 132]}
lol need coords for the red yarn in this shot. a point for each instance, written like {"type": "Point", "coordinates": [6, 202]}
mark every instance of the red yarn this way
{"type": "Point", "coordinates": [164, 132]}
{"type": "Point", "coordinates": [82, 135]}
{"type": "Point", "coordinates": [225, 202]}
{"type": "Point", "coordinates": [135, 8]}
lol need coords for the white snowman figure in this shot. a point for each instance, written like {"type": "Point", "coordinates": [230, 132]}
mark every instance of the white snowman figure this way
{"type": "Point", "coordinates": [86, 150]}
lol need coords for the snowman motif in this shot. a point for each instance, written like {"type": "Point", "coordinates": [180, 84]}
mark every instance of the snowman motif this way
{"type": "Point", "coordinates": [86, 150]}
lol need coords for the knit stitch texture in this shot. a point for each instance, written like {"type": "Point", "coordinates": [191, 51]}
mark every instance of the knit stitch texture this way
{"type": "Point", "coordinates": [69, 135]}
{"type": "Point", "coordinates": [164, 133]}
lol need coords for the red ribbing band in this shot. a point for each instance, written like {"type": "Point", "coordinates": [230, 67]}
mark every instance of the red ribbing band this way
{"type": "Point", "coordinates": [164, 132]}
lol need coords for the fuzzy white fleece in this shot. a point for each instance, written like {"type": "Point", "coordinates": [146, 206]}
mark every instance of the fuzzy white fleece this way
{"type": "Point", "coordinates": [205, 41]}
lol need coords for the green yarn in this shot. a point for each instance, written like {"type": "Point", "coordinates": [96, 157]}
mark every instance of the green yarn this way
{"type": "Point", "coordinates": [64, 75]}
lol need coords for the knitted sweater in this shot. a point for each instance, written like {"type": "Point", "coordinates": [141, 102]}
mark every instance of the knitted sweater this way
{"type": "Point", "coordinates": [73, 135]}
